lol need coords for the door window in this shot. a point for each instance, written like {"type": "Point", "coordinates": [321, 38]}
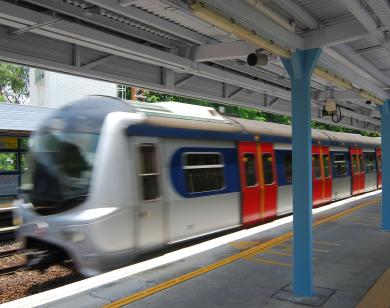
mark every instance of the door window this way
{"type": "Point", "coordinates": [380, 163]}
{"type": "Point", "coordinates": [268, 170]}
{"type": "Point", "coordinates": [316, 166]}
{"type": "Point", "coordinates": [361, 164]}
{"type": "Point", "coordinates": [325, 159]}
{"type": "Point", "coordinates": [355, 167]}
{"type": "Point", "coordinates": [340, 165]}
{"type": "Point", "coordinates": [149, 174]}
{"type": "Point", "coordinates": [369, 163]}
{"type": "Point", "coordinates": [250, 169]}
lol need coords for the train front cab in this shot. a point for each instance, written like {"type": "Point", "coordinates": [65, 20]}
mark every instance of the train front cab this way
{"type": "Point", "coordinates": [258, 182]}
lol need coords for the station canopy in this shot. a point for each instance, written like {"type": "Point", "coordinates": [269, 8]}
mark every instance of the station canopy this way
{"type": "Point", "coordinates": [200, 49]}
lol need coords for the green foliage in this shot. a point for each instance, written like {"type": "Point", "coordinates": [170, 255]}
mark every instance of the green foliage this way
{"type": "Point", "coordinates": [247, 113]}
{"type": "Point", "coordinates": [7, 161]}
{"type": "Point", "coordinates": [14, 83]}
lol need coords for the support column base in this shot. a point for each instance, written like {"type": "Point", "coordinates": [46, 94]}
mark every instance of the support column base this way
{"type": "Point", "coordinates": [321, 296]}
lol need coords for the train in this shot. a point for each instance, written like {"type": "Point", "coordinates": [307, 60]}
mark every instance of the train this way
{"type": "Point", "coordinates": [110, 180]}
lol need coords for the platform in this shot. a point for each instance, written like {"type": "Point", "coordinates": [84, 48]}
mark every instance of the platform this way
{"type": "Point", "coordinates": [350, 254]}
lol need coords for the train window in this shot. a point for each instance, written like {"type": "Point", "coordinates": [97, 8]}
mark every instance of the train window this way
{"type": "Point", "coordinates": [369, 163]}
{"type": "Point", "coordinates": [250, 169]}
{"type": "Point", "coordinates": [380, 163]}
{"type": "Point", "coordinates": [267, 169]}
{"type": "Point", "coordinates": [361, 165]}
{"type": "Point", "coordinates": [149, 173]}
{"type": "Point", "coordinates": [325, 159]}
{"type": "Point", "coordinates": [316, 166]}
{"type": "Point", "coordinates": [204, 172]}
{"type": "Point", "coordinates": [340, 165]}
{"type": "Point", "coordinates": [355, 164]}
{"type": "Point", "coordinates": [288, 167]}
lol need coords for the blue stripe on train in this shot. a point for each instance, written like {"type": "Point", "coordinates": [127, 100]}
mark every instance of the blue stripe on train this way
{"type": "Point", "coordinates": [185, 133]}
{"type": "Point", "coordinates": [231, 171]}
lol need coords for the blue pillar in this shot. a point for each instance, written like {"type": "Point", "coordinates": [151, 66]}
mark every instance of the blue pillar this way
{"type": "Point", "coordinates": [300, 68]}
{"type": "Point", "coordinates": [385, 134]}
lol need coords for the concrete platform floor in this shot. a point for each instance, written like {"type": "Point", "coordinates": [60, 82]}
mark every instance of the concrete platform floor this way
{"type": "Point", "coordinates": [350, 254]}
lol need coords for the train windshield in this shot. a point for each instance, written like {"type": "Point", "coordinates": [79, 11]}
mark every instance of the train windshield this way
{"type": "Point", "coordinates": [60, 169]}
{"type": "Point", "coordinates": [62, 154]}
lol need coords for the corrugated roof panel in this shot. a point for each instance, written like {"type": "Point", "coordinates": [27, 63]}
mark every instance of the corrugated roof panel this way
{"type": "Point", "coordinates": [22, 117]}
{"type": "Point", "coordinates": [327, 12]}
{"type": "Point", "coordinates": [182, 17]}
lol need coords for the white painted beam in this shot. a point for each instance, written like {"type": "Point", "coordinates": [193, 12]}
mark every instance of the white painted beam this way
{"type": "Point", "coordinates": [364, 17]}
{"type": "Point", "coordinates": [350, 74]}
{"type": "Point", "coordinates": [347, 31]}
{"type": "Point", "coordinates": [348, 52]}
{"type": "Point", "coordinates": [223, 51]}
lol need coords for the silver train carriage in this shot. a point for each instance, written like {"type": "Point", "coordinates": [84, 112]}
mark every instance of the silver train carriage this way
{"type": "Point", "coordinates": [109, 180]}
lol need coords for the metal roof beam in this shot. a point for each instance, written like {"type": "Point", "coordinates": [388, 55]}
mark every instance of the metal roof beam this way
{"type": "Point", "coordinates": [381, 9]}
{"type": "Point", "coordinates": [351, 75]}
{"type": "Point", "coordinates": [134, 73]}
{"type": "Point", "coordinates": [223, 51]}
{"type": "Point", "coordinates": [151, 20]}
{"type": "Point", "coordinates": [254, 20]}
{"type": "Point", "coordinates": [361, 14]}
{"type": "Point", "coordinates": [299, 13]}
{"type": "Point", "coordinates": [347, 31]}
{"type": "Point", "coordinates": [101, 21]}
{"type": "Point", "coordinates": [16, 16]}
{"type": "Point", "coordinates": [348, 52]}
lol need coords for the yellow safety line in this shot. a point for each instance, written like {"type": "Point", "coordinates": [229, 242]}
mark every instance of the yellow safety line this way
{"type": "Point", "coordinates": [244, 254]}
{"type": "Point", "coordinates": [290, 248]}
{"type": "Point", "coordinates": [378, 296]}
{"type": "Point", "coordinates": [267, 261]}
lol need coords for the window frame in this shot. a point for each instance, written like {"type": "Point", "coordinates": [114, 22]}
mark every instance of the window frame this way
{"type": "Point", "coordinates": [157, 173]}
{"type": "Point", "coordinates": [218, 166]}
{"type": "Point", "coordinates": [345, 161]}
{"type": "Point", "coordinates": [326, 157]}
{"type": "Point", "coordinates": [313, 166]}
{"type": "Point", "coordinates": [256, 170]}
{"type": "Point", "coordinates": [272, 168]}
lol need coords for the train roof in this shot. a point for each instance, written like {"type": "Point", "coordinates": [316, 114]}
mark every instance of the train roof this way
{"type": "Point", "coordinates": [193, 117]}
{"type": "Point", "coordinates": [188, 117]}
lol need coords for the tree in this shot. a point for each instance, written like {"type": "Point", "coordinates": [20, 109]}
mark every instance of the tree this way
{"type": "Point", "coordinates": [14, 83]}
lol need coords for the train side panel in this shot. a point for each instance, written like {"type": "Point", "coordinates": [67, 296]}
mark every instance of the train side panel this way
{"type": "Point", "coordinates": [204, 194]}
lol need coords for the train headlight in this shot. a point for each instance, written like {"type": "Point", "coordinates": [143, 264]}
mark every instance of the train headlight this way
{"type": "Point", "coordinates": [73, 235]}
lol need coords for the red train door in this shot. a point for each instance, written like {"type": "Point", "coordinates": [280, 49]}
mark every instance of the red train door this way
{"type": "Point", "coordinates": [268, 181]}
{"type": "Point", "coordinates": [250, 186]}
{"type": "Point", "coordinates": [379, 166]}
{"type": "Point", "coordinates": [327, 175]}
{"type": "Point", "coordinates": [357, 167]}
{"type": "Point", "coordinates": [362, 175]}
{"type": "Point", "coordinates": [317, 175]}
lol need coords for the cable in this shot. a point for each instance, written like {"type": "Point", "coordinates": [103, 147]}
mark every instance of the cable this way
{"type": "Point", "coordinates": [336, 118]}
